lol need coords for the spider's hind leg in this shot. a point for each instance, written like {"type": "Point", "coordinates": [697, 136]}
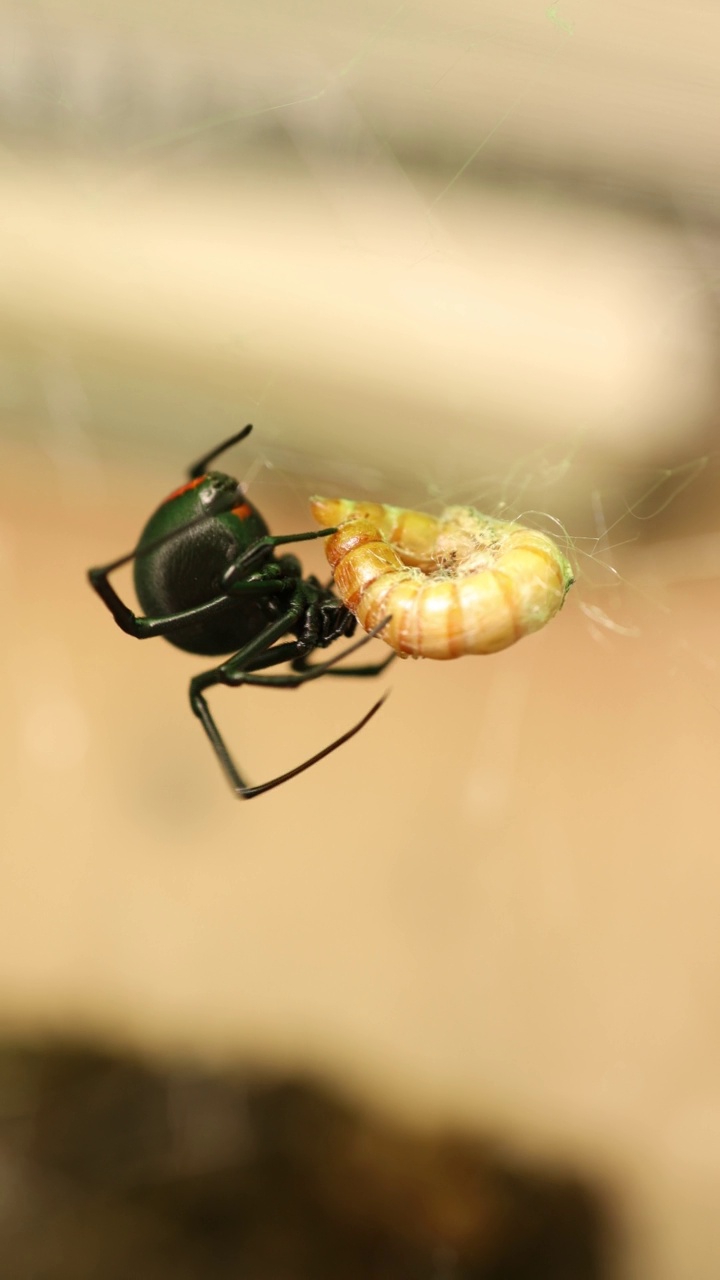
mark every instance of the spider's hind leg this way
{"type": "Point", "coordinates": [372, 668]}
{"type": "Point", "coordinates": [245, 668]}
{"type": "Point", "coordinates": [336, 621]}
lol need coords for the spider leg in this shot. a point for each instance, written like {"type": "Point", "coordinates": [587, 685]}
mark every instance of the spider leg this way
{"type": "Point", "coordinates": [263, 548]}
{"type": "Point", "coordinates": [142, 628]}
{"type": "Point", "coordinates": [332, 620]}
{"type": "Point", "coordinates": [245, 792]}
{"type": "Point", "coordinates": [200, 467]}
{"type": "Point", "coordinates": [238, 670]}
{"type": "Point", "coordinates": [312, 671]}
{"type": "Point", "coordinates": [372, 668]}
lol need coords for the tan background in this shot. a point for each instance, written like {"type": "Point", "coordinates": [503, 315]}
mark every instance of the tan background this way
{"type": "Point", "coordinates": [467, 255]}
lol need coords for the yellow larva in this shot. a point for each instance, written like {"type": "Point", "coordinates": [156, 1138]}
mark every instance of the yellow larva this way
{"type": "Point", "coordinates": [453, 584]}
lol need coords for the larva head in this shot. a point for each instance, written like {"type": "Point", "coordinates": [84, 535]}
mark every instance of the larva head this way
{"type": "Point", "coordinates": [331, 511]}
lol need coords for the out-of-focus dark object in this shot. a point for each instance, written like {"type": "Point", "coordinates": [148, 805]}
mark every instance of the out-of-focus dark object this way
{"type": "Point", "coordinates": [112, 1169]}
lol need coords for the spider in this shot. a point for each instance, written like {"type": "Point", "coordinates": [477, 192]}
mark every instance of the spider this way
{"type": "Point", "coordinates": [209, 581]}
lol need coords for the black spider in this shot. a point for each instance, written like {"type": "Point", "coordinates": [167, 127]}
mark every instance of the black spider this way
{"type": "Point", "coordinates": [208, 578]}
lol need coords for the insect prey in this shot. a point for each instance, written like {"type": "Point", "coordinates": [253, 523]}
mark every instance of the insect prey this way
{"type": "Point", "coordinates": [454, 584]}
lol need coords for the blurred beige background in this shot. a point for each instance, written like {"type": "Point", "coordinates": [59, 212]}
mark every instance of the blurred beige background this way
{"type": "Point", "coordinates": [467, 254]}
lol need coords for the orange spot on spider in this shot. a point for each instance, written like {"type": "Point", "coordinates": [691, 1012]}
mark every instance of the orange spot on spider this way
{"type": "Point", "coordinates": [242, 512]}
{"type": "Point", "coordinates": [184, 488]}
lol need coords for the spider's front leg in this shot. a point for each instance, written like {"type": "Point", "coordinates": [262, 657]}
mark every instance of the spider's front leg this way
{"type": "Point", "coordinates": [142, 628]}
{"type": "Point", "coordinates": [259, 553]}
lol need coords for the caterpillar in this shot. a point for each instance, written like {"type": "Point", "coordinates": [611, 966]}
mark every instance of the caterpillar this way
{"type": "Point", "coordinates": [454, 584]}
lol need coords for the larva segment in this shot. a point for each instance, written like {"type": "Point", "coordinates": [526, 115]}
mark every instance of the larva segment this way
{"type": "Point", "coordinates": [359, 555]}
{"type": "Point", "coordinates": [412, 533]}
{"type": "Point", "coordinates": [458, 584]}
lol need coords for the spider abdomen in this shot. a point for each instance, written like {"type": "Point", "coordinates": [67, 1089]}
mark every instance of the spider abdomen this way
{"type": "Point", "coordinates": [187, 570]}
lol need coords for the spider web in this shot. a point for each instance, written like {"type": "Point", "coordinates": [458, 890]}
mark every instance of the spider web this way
{"type": "Point", "coordinates": [460, 170]}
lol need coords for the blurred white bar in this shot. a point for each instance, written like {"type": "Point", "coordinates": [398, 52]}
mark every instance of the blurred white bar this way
{"type": "Point", "coordinates": [557, 323]}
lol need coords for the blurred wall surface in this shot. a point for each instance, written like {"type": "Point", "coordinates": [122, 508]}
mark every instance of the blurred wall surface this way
{"type": "Point", "coordinates": [457, 255]}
